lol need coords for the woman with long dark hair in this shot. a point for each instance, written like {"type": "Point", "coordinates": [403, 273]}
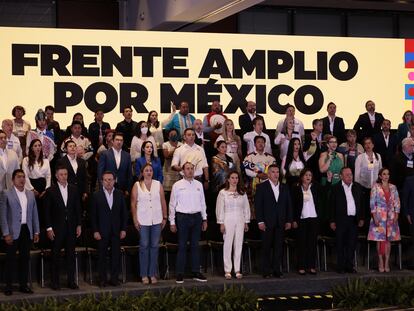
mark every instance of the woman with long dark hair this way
{"type": "Point", "coordinates": [221, 164]}
{"type": "Point", "coordinates": [385, 209]}
{"type": "Point", "coordinates": [149, 214]}
{"type": "Point", "coordinates": [38, 175]}
{"type": "Point", "coordinates": [148, 157]}
{"type": "Point", "coordinates": [305, 199]}
{"type": "Point", "coordinates": [233, 215]}
{"type": "Point", "coordinates": [295, 161]}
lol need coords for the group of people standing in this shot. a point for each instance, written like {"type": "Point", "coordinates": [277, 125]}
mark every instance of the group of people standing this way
{"type": "Point", "coordinates": [194, 175]}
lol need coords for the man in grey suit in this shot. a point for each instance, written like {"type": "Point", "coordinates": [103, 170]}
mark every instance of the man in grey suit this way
{"type": "Point", "coordinates": [19, 223]}
{"type": "Point", "coordinates": [9, 162]}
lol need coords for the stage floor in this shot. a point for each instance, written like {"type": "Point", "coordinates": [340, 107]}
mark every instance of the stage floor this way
{"type": "Point", "coordinates": [291, 285]}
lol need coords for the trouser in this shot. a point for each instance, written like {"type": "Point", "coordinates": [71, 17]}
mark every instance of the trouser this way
{"type": "Point", "coordinates": [64, 239]}
{"type": "Point", "coordinates": [272, 238]}
{"type": "Point", "coordinates": [188, 227]}
{"type": "Point", "coordinates": [148, 249]}
{"type": "Point", "coordinates": [21, 244]}
{"type": "Point", "coordinates": [103, 245]}
{"type": "Point", "coordinates": [307, 238]}
{"type": "Point", "coordinates": [346, 239]}
{"type": "Point", "coordinates": [233, 240]}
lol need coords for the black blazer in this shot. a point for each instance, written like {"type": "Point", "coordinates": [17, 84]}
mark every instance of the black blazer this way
{"type": "Point", "coordinates": [364, 128]}
{"type": "Point", "coordinates": [104, 220]}
{"type": "Point", "coordinates": [272, 213]}
{"type": "Point", "coordinates": [399, 170]}
{"type": "Point", "coordinates": [246, 124]}
{"type": "Point", "coordinates": [408, 197]}
{"type": "Point", "coordinates": [297, 200]}
{"type": "Point", "coordinates": [338, 129]}
{"type": "Point", "coordinates": [56, 213]}
{"type": "Point", "coordinates": [80, 178]}
{"type": "Point", "coordinates": [338, 206]}
{"type": "Point", "coordinates": [94, 133]}
{"type": "Point", "coordinates": [387, 153]}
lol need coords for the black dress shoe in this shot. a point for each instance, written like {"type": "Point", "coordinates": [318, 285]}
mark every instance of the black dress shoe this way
{"type": "Point", "coordinates": [73, 286]}
{"type": "Point", "coordinates": [278, 275]}
{"type": "Point", "coordinates": [8, 292]}
{"type": "Point", "coordinates": [267, 276]}
{"type": "Point", "coordinates": [55, 286]}
{"type": "Point", "coordinates": [25, 290]}
{"type": "Point", "coordinates": [351, 270]}
{"type": "Point", "coordinates": [114, 283]}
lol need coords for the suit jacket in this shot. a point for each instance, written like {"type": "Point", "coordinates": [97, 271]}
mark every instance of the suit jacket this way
{"type": "Point", "coordinates": [56, 213]}
{"type": "Point", "coordinates": [272, 213]}
{"type": "Point", "coordinates": [400, 170]}
{"type": "Point", "coordinates": [297, 200]}
{"type": "Point", "coordinates": [364, 128]}
{"type": "Point", "coordinates": [80, 178]}
{"type": "Point", "coordinates": [93, 131]}
{"type": "Point", "coordinates": [408, 197]}
{"type": "Point", "coordinates": [338, 128]}
{"type": "Point", "coordinates": [11, 214]}
{"type": "Point", "coordinates": [387, 153]}
{"type": "Point", "coordinates": [123, 173]}
{"type": "Point", "coordinates": [246, 124]}
{"type": "Point", "coordinates": [108, 222]}
{"type": "Point", "coordinates": [6, 172]}
{"type": "Point", "coordinates": [338, 206]}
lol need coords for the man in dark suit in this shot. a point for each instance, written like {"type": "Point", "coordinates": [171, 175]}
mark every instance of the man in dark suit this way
{"type": "Point", "coordinates": [385, 143]}
{"type": "Point", "coordinates": [347, 214]}
{"type": "Point", "coordinates": [76, 168]}
{"type": "Point", "coordinates": [109, 218]}
{"type": "Point", "coordinates": [368, 123]}
{"type": "Point", "coordinates": [402, 164]}
{"type": "Point", "coordinates": [118, 162]}
{"type": "Point", "coordinates": [274, 216]}
{"type": "Point", "coordinates": [19, 225]}
{"type": "Point", "coordinates": [246, 119]}
{"type": "Point", "coordinates": [334, 125]}
{"type": "Point", "coordinates": [96, 133]}
{"type": "Point", "coordinates": [63, 223]}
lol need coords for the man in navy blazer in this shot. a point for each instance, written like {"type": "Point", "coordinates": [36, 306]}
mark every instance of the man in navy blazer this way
{"type": "Point", "coordinates": [118, 162]}
{"type": "Point", "coordinates": [246, 119]}
{"type": "Point", "coordinates": [19, 225]}
{"type": "Point", "coordinates": [274, 216]}
{"type": "Point", "coordinates": [63, 224]}
{"type": "Point", "coordinates": [347, 214]}
{"type": "Point", "coordinates": [368, 123]}
{"type": "Point", "coordinates": [109, 218]}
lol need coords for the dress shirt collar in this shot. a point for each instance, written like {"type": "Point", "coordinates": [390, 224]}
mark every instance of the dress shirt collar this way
{"type": "Point", "coordinates": [345, 185]}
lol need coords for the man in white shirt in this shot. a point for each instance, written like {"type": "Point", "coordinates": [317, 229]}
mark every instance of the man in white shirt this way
{"type": "Point", "coordinates": [19, 225]}
{"type": "Point", "coordinates": [347, 214]}
{"type": "Point", "coordinates": [12, 141]}
{"type": "Point", "coordinates": [191, 152]}
{"type": "Point", "coordinates": [188, 217]}
{"type": "Point", "coordinates": [257, 131]}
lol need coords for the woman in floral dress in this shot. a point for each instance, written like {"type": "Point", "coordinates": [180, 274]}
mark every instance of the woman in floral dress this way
{"type": "Point", "coordinates": [385, 208]}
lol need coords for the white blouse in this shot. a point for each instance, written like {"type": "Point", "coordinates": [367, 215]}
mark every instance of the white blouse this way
{"type": "Point", "coordinates": [36, 172]}
{"type": "Point", "coordinates": [149, 211]}
{"type": "Point", "coordinates": [232, 204]}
